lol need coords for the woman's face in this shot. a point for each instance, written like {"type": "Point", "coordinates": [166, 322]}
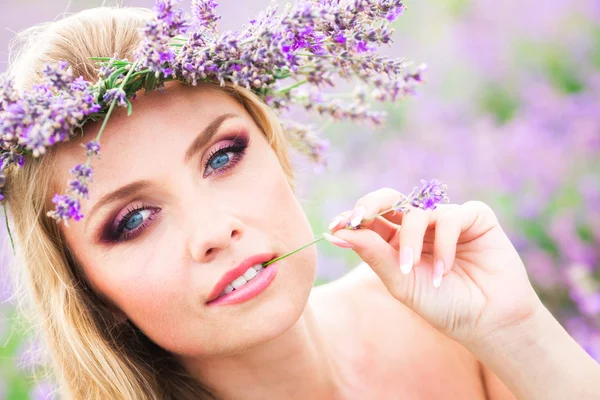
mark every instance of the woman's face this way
{"type": "Point", "coordinates": [156, 251]}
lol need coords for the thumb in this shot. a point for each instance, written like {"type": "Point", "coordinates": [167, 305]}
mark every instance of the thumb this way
{"type": "Point", "coordinates": [382, 258]}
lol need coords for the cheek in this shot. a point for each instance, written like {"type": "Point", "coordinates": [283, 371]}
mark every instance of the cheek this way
{"type": "Point", "coordinates": [155, 301]}
{"type": "Point", "coordinates": [139, 286]}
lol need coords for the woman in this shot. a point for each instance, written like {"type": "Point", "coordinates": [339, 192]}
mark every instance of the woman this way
{"type": "Point", "coordinates": [195, 188]}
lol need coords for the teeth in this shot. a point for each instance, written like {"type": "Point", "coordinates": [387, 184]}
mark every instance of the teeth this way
{"type": "Point", "coordinates": [239, 282]}
{"type": "Point", "coordinates": [243, 279]}
{"type": "Point", "coordinates": [250, 273]}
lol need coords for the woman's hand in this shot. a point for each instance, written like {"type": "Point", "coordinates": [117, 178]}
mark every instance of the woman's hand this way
{"type": "Point", "coordinates": [454, 265]}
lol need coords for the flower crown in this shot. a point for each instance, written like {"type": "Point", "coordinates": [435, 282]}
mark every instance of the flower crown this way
{"type": "Point", "coordinates": [308, 44]}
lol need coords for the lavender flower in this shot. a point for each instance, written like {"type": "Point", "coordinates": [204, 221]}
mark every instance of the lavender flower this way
{"type": "Point", "coordinates": [8, 94]}
{"type": "Point", "coordinates": [427, 197]}
{"type": "Point", "coordinates": [117, 95]}
{"type": "Point", "coordinates": [92, 148]}
{"type": "Point", "coordinates": [79, 188]}
{"type": "Point", "coordinates": [155, 51]}
{"type": "Point", "coordinates": [310, 44]}
{"type": "Point", "coordinates": [34, 120]}
{"type": "Point", "coordinates": [59, 76]}
{"type": "Point", "coordinates": [67, 207]}
{"type": "Point", "coordinates": [204, 14]}
{"type": "Point", "coordinates": [311, 144]}
{"type": "Point", "coordinates": [82, 171]}
{"type": "Point", "coordinates": [107, 69]}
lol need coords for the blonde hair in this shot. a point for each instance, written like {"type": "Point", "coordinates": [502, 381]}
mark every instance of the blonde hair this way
{"type": "Point", "coordinates": [90, 354]}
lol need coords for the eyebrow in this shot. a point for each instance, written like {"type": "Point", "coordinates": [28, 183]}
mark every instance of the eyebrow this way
{"type": "Point", "coordinates": [198, 144]}
{"type": "Point", "coordinates": [206, 135]}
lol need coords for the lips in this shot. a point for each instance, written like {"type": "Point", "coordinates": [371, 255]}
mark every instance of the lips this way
{"type": "Point", "coordinates": [238, 271]}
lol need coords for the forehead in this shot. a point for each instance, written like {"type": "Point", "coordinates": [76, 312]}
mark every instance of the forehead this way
{"type": "Point", "coordinates": [163, 123]}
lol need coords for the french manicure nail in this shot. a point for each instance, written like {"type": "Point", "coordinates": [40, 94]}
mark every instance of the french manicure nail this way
{"type": "Point", "coordinates": [438, 271]}
{"type": "Point", "coordinates": [406, 260]}
{"type": "Point", "coordinates": [357, 215]}
{"type": "Point", "coordinates": [337, 241]}
{"type": "Point", "coordinates": [335, 222]}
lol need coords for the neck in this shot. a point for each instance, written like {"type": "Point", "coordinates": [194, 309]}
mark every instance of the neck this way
{"type": "Point", "coordinates": [298, 364]}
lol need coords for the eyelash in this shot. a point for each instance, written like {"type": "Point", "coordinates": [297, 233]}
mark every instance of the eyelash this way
{"type": "Point", "coordinates": [238, 149]}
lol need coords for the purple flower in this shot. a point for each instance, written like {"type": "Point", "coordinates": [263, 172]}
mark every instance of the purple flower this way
{"type": "Point", "coordinates": [394, 13]}
{"type": "Point", "coordinates": [117, 95]}
{"type": "Point", "coordinates": [204, 14]}
{"type": "Point", "coordinates": [340, 38]}
{"type": "Point", "coordinates": [82, 171]}
{"type": "Point", "coordinates": [83, 175]}
{"type": "Point", "coordinates": [311, 44]}
{"type": "Point", "coordinates": [58, 75]}
{"type": "Point", "coordinates": [92, 148]}
{"type": "Point", "coordinates": [361, 46]}
{"type": "Point", "coordinates": [67, 207]}
{"type": "Point", "coordinates": [155, 50]}
{"type": "Point", "coordinates": [307, 142]}
{"type": "Point", "coordinates": [10, 158]}
{"type": "Point", "coordinates": [79, 188]}
{"type": "Point", "coordinates": [173, 21]}
{"type": "Point", "coordinates": [106, 69]}
{"type": "Point", "coordinates": [427, 197]}
{"type": "Point", "coordinates": [8, 94]}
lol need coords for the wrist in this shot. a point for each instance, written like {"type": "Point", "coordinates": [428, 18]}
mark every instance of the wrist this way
{"type": "Point", "coordinates": [517, 335]}
{"type": "Point", "coordinates": [529, 354]}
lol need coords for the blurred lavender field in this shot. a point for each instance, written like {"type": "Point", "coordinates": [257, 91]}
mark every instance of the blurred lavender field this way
{"type": "Point", "coordinates": [510, 115]}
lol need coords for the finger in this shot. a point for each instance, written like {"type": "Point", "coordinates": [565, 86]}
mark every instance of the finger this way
{"type": "Point", "coordinates": [373, 203]}
{"type": "Point", "coordinates": [381, 257]}
{"type": "Point", "coordinates": [339, 221]}
{"type": "Point", "coordinates": [448, 230]}
{"type": "Point", "coordinates": [414, 225]}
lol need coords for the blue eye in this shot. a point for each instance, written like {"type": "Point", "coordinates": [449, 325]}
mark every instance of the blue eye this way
{"type": "Point", "coordinates": [221, 160]}
{"type": "Point", "coordinates": [138, 219]}
{"type": "Point", "coordinates": [135, 221]}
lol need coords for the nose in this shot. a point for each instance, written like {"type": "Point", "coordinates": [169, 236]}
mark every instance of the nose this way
{"type": "Point", "coordinates": [212, 234]}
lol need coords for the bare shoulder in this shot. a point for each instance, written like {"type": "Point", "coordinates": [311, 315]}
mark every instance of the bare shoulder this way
{"type": "Point", "coordinates": [396, 336]}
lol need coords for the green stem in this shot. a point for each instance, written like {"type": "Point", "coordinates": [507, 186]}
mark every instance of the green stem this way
{"type": "Point", "coordinates": [112, 106]}
{"type": "Point", "coordinates": [140, 72]}
{"type": "Point", "coordinates": [289, 254]}
{"type": "Point", "coordinates": [12, 243]}
{"type": "Point", "coordinates": [294, 86]}
{"type": "Point", "coordinates": [321, 238]}
{"type": "Point", "coordinates": [329, 56]}
{"type": "Point", "coordinates": [405, 202]}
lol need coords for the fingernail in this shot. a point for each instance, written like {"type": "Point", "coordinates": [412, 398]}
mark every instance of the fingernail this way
{"type": "Point", "coordinates": [406, 260]}
{"type": "Point", "coordinates": [438, 271]}
{"type": "Point", "coordinates": [337, 241]}
{"type": "Point", "coordinates": [335, 222]}
{"type": "Point", "coordinates": [357, 215]}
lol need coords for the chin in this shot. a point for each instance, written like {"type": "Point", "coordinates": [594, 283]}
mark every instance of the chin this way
{"type": "Point", "coordinates": [280, 308]}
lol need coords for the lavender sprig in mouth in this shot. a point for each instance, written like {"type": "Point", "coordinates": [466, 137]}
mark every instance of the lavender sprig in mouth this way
{"type": "Point", "coordinates": [427, 197]}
